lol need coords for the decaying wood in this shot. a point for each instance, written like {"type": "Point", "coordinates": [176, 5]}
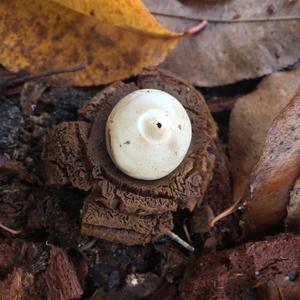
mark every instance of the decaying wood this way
{"type": "Point", "coordinates": [229, 274]}
{"type": "Point", "coordinates": [61, 278]}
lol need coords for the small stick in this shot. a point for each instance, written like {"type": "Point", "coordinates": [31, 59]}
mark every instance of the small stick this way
{"type": "Point", "coordinates": [10, 230]}
{"type": "Point", "coordinates": [18, 80]}
{"type": "Point", "coordinates": [250, 20]}
{"type": "Point", "coordinates": [225, 213]}
{"type": "Point", "coordinates": [180, 241]}
{"type": "Point", "coordinates": [88, 245]}
{"type": "Point", "coordinates": [187, 234]}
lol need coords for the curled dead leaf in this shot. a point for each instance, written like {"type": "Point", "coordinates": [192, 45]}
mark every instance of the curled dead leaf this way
{"type": "Point", "coordinates": [275, 173]}
{"type": "Point", "coordinates": [250, 120]}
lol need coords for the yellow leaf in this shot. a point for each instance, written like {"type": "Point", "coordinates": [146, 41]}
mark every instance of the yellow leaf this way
{"type": "Point", "coordinates": [128, 14]}
{"type": "Point", "coordinates": [42, 35]}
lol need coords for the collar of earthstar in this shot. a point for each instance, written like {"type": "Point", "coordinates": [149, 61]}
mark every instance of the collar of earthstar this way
{"type": "Point", "coordinates": [120, 208]}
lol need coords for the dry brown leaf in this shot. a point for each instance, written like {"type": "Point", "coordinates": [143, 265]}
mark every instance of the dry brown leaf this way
{"type": "Point", "coordinates": [275, 173]}
{"type": "Point", "coordinates": [250, 119]}
{"type": "Point", "coordinates": [38, 35]}
{"type": "Point", "coordinates": [230, 49]}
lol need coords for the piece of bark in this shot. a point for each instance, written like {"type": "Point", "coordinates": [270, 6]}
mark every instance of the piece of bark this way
{"type": "Point", "coordinates": [250, 120]}
{"type": "Point", "coordinates": [227, 52]}
{"type": "Point", "coordinates": [22, 267]}
{"type": "Point", "coordinates": [61, 278]}
{"type": "Point", "coordinates": [21, 264]}
{"type": "Point", "coordinates": [275, 173]}
{"type": "Point", "coordinates": [30, 256]}
{"type": "Point", "coordinates": [21, 285]}
{"type": "Point", "coordinates": [229, 274]}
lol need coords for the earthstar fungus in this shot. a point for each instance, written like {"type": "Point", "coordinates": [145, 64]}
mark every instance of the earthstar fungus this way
{"type": "Point", "coordinates": [121, 208]}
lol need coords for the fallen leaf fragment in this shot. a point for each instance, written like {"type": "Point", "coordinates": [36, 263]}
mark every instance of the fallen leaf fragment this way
{"type": "Point", "coordinates": [42, 35]}
{"type": "Point", "coordinates": [242, 39]}
{"type": "Point", "coordinates": [230, 274]}
{"type": "Point", "coordinates": [250, 120]}
{"type": "Point", "coordinates": [275, 173]}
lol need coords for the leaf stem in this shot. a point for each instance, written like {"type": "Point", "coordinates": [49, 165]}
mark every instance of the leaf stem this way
{"type": "Point", "coordinates": [17, 80]}
{"type": "Point", "coordinates": [250, 20]}
{"type": "Point", "coordinates": [225, 213]}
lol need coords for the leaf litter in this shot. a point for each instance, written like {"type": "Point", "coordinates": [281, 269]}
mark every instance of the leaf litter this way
{"type": "Point", "coordinates": [262, 146]}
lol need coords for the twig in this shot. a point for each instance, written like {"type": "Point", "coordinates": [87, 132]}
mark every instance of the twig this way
{"type": "Point", "coordinates": [14, 81]}
{"type": "Point", "coordinates": [225, 213]}
{"type": "Point", "coordinates": [88, 245]}
{"type": "Point", "coordinates": [187, 234]}
{"type": "Point", "coordinates": [180, 241]}
{"type": "Point", "coordinates": [10, 230]}
{"type": "Point", "coordinates": [268, 19]}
